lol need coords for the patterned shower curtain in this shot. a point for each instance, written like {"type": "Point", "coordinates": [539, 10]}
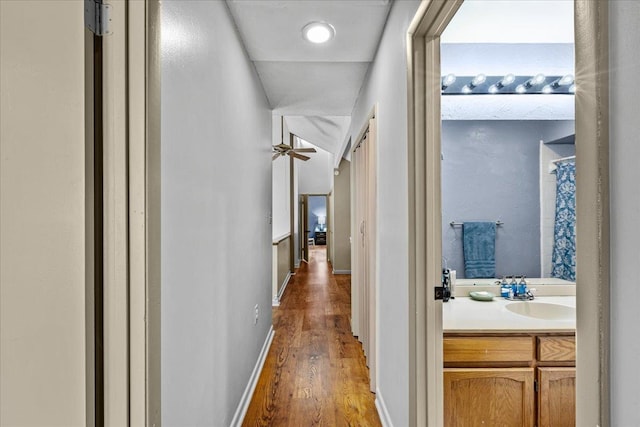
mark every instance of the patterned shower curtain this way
{"type": "Point", "coordinates": [564, 246]}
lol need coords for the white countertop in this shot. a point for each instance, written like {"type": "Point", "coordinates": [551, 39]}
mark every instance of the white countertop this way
{"type": "Point", "coordinates": [463, 314]}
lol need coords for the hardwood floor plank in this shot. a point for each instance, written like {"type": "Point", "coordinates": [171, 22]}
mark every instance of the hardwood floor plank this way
{"type": "Point", "coordinates": [315, 373]}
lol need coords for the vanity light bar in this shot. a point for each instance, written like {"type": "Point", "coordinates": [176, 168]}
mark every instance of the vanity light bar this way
{"type": "Point", "coordinates": [508, 84]}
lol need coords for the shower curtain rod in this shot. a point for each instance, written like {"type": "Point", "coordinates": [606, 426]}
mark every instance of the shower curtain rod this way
{"type": "Point", "coordinates": [563, 159]}
{"type": "Point", "coordinates": [454, 223]}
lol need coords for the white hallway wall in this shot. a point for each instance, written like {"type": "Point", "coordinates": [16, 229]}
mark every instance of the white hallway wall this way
{"type": "Point", "coordinates": [315, 176]}
{"type": "Point", "coordinates": [281, 198]}
{"type": "Point", "coordinates": [281, 202]}
{"type": "Point", "coordinates": [624, 35]}
{"type": "Point", "coordinates": [387, 85]}
{"type": "Point", "coordinates": [216, 198]}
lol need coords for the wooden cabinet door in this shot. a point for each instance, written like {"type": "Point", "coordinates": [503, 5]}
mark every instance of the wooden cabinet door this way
{"type": "Point", "coordinates": [557, 397]}
{"type": "Point", "coordinates": [498, 397]}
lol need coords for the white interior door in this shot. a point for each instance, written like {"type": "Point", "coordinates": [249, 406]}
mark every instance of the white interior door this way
{"type": "Point", "coordinates": [371, 252]}
{"type": "Point", "coordinates": [361, 278]}
{"type": "Point", "coordinates": [45, 253]}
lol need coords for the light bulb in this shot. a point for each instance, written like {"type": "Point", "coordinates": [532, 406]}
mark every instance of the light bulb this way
{"type": "Point", "coordinates": [539, 78]}
{"type": "Point", "coordinates": [493, 89]}
{"type": "Point", "coordinates": [521, 89]}
{"type": "Point", "coordinates": [566, 80]}
{"type": "Point", "coordinates": [479, 79]}
{"type": "Point", "coordinates": [449, 79]}
{"type": "Point", "coordinates": [466, 89]}
{"type": "Point", "coordinates": [508, 79]}
{"type": "Point", "coordinates": [572, 88]}
{"type": "Point", "coordinates": [505, 81]}
{"type": "Point", "coordinates": [318, 32]}
{"type": "Point", "coordinates": [547, 89]}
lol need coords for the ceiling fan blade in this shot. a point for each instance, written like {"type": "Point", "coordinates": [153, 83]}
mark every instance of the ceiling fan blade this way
{"type": "Point", "coordinates": [298, 156]}
{"type": "Point", "coordinates": [305, 150]}
{"type": "Point", "coordinates": [275, 156]}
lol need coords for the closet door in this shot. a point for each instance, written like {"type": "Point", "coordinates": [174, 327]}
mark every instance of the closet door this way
{"type": "Point", "coordinates": [365, 252]}
{"type": "Point", "coordinates": [370, 234]}
{"type": "Point", "coordinates": [360, 278]}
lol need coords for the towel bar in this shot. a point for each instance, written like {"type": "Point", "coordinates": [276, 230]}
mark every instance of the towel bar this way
{"type": "Point", "coordinates": [454, 224]}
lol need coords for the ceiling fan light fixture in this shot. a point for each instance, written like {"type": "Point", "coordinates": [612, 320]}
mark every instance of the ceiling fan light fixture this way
{"type": "Point", "coordinates": [318, 32]}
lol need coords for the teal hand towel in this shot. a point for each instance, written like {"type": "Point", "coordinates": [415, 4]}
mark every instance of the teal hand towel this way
{"type": "Point", "coordinates": [479, 241]}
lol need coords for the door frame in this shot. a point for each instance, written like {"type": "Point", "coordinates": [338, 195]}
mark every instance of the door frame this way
{"type": "Point", "coordinates": [592, 211]}
{"type": "Point", "coordinates": [131, 194]}
{"type": "Point", "coordinates": [303, 218]}
{"type": "Point", "coordinates": [305, 215]}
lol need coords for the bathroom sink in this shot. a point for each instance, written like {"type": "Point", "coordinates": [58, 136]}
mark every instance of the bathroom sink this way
{"type": "Point", "coordinates": [542, 310]}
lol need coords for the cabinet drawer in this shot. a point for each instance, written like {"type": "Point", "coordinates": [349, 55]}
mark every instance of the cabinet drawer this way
{"type": "Point", "coordinates": [556, 349]}
{"type": "Point", "coordinates": [488, 349]}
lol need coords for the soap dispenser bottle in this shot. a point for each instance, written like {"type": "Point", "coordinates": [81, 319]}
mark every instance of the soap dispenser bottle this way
{"type": "Point", "coordinates": [522, 286]}
{"type": "Point", "coordinates": [514, 285]}
{"type": "Point", "coordinates": [504, 287]}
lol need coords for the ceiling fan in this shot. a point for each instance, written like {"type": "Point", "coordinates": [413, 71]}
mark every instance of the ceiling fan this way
{"type": "Point", "coordinates": [284, 149]}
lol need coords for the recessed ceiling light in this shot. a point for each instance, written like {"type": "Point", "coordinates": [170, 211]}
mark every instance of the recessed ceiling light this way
{"type": "Point", "coordinates": [318, 32]}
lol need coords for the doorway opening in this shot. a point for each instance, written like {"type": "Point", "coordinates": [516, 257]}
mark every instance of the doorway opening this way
{"type": "Point", "coordinates": [592, 255]}
{"type": "Point", "coordinates": [507, 142]}
{"type": "Point", "coordinates": [313, 223]}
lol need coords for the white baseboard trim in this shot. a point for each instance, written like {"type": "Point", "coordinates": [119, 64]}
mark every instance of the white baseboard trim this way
{"type": "Point", "coordinates": [243, 406]}
{"type": "Point", "coordinates": [284, 286]}
{"type": "Point", "coordinates": [277, 298]}
{"type": "Point", "coordinates": [341, 271]}
{"type": "Point", "coordinates": [383, 413]}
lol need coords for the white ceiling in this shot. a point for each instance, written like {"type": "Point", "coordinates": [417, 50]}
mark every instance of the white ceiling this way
{"type": "Point", "coordinates": [324, 131]}
{"type": "Point", "coordinates": [312, 88]}
{"type": "Point", "coordinates": [522, 21]}
{"type": "Point", "coordinates": [305, 79]}
{"type": "Point", "coordinates": [316, 86]}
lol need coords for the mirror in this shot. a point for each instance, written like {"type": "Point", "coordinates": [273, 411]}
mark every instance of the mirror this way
{"type": "Point", "coordinates": [503, 151]}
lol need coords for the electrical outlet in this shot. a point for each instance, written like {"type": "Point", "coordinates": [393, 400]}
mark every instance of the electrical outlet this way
{"type": "Point", "coordinates": [257, 314]}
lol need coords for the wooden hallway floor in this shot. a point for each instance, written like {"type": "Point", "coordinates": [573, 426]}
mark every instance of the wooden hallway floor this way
{"type": "Point", "coordinates": [315, 372]}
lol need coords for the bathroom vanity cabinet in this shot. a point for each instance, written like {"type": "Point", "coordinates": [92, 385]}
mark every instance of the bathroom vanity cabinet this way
{"type": "Point", "coordinates": [523, 379]}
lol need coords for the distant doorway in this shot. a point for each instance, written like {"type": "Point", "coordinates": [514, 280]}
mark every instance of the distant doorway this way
{"type": "Point", "coordinates": [317, 220]}
{"type": "Point", "coordinates": [313, 222]}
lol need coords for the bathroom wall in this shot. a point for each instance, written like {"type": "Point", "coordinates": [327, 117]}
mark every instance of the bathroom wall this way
{"type": "Point", "coordinates": [490, 171]}
{"type": "Point", "coordinates": [216, 200]}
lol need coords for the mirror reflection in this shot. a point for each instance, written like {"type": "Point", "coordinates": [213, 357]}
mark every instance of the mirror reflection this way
{"type": "Point", "coordinates": [508, 161]}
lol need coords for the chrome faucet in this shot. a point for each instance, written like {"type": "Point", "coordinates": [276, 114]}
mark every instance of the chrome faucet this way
{"type": "Point", "coordinates": [520, 291]}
